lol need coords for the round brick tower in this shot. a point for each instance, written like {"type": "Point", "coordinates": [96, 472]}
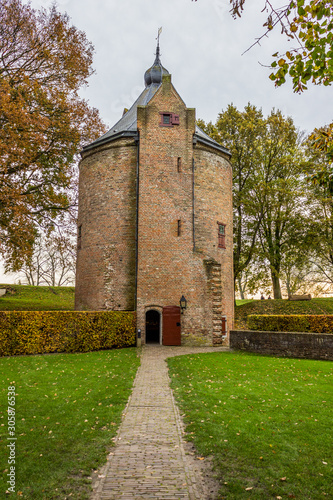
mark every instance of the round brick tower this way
{"type": "Point", "coordinates": [155, 221]}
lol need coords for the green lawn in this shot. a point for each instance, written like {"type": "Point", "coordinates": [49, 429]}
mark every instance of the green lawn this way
{"type": "Point", "coordinates": [37, 298]}
{"type": "Point", "coordinates": [314, 306]}
{"type": "Point", "coordinates": [267, 422]}
{"type": "Point", "coordinates": [68, 408]}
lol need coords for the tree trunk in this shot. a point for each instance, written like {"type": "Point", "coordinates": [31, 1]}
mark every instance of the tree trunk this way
{"type": "Point", "coordinates": [240, 289]}
{"type": "Point", "coordinates": [276, 286]}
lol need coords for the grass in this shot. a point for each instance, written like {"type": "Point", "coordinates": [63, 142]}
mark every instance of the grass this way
{"type": "Point", "coordinates": [68, 408]}
{"type": "Point", "coordinates": [267, 422]}
{"type": "Point", "coordinates": [37, 298]}
{"type": "Point", "coordinates": [314, 306]}
{"type": "Point", "coordinates": [240, 302]}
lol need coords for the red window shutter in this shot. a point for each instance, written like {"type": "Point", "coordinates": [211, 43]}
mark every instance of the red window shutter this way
{"type": "Point", "coordinates": [174, 119]}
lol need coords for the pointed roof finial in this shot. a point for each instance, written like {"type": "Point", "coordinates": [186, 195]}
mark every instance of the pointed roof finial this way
{"type": "Point", "coordinates": [153, 75]}
{"type": "Point", "coordinates": [158, 43]}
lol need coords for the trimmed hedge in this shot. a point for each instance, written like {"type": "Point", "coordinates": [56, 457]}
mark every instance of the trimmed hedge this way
{"type": "Point", "coordinates": [319, 323]}
{"type": "Point", "coordinates": [39, 332]}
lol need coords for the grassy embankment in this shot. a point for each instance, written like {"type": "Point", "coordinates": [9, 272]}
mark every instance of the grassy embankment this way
{"type": "Point", "coordinates": [37, 298]}
{"type": "Point", "coordinates": [266, 422]}
{"type": "Point", "coordinates": [314, 306]}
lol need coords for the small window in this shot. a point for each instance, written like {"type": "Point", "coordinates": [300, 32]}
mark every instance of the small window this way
{"type": "Point", "coordinates": [221, 235]}
{"type": "Point", "coordinates": [169, 119]}
{"type": "Point", "coordinates": [179, 227]}
{"type": "Point", "coordinates": [166, 119]}
{"type": "Point", "coordinates": [179, 164]}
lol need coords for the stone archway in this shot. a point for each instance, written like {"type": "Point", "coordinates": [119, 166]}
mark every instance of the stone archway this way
{"type": "Point", "coordinates": [153, 327]}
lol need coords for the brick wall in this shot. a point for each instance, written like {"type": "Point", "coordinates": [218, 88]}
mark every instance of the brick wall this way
{"type": "Point", "coordinates": [105, 275]}
{"type": "Point", "coordinates": [292, 345]}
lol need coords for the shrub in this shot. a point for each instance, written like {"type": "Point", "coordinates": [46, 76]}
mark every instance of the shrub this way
{"type": "Point", "coordinates": [318, 323]}
{"type": "Point", "coordinates": [39, 332]}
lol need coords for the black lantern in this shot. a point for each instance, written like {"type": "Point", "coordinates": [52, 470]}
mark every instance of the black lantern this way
{"type": "Point", "coordinates": [183, 303]}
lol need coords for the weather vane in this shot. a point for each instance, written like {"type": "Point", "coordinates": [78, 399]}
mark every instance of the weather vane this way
{"type": "Point", "coordinates": [158, 35]}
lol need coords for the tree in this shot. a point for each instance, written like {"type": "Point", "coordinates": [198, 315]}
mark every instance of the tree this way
{"type": "Point", "coordinates": [267, 188]}
{"type": "Point", "coordinates": [44, 61]}
{"type": "Point", "coordinates": [320, 194]}
{"type": "Point", "coordinates": [279, 194]}
{"type": "Point", "coordinates": [52, 261]}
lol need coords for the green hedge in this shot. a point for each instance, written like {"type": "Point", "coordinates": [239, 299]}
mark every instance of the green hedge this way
{"type": "Point", "coordinates": [319, 323]}
{"type": "Point", "coordinates": [38, 332]}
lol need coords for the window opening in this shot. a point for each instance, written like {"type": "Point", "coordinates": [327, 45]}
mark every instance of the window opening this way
{"type": "Point", "coordinates": [221, 235]}
{"type": "Point", "coordinates": [179, 226]}
{"type": "Point", "coordinates": [179, 164]}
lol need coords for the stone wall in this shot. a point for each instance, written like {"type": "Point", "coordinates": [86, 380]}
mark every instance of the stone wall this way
{"type": "Point", "coordinates": [287, 344]}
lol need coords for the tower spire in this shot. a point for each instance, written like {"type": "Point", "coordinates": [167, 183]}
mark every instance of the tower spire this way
{"type": "Point", "coordinates": [153, 75]}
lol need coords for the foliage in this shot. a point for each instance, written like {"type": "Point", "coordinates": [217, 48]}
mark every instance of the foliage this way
{"type": "Point", "coordinates": [264, 421]}
{"type": "Point", "coordinates": [42, 332]}
{"type": "Point", "coordinates": [37, 298]}
{"type": "Point", "coordinates": [44, 61]}
{"type": "Point", "coordinates": [291, 323]}
{"type": "Point", "coordinates": [309, 23]}
{"type": "Point", "coordinates": [69, 407]}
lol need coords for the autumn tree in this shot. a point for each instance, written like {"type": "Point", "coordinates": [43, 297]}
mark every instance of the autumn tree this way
{"type": "Point", "coordinates": [44, 61]}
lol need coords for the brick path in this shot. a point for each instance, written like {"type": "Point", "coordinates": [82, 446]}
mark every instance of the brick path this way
{"type": "Point", "coordinates": [149, 460]}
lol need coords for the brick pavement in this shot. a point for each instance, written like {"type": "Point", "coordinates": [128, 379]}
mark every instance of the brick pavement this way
{"type": "Point", "coordinates": [149, 459]}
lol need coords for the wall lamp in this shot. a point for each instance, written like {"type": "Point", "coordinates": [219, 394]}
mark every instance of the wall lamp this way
{"type": "Point", "coordinates": [183, 304]}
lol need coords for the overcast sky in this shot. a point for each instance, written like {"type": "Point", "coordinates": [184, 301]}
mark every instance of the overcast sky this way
{"type": "Point", "coordinates": [201, 46]}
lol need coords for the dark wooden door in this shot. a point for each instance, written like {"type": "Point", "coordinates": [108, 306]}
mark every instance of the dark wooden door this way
{"type": "Point", "coordinates": [171, 325]}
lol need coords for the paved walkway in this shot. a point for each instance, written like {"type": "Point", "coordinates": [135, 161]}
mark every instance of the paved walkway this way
{"type": "Point", "coordinates": [149, 459]}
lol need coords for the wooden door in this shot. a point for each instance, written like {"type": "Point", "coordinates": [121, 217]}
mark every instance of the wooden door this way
{"type": "Point", "coordinates": [171, 325]}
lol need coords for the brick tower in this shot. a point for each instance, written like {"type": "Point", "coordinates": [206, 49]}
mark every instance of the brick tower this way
{"type": "Point", "coordinates": [155, 221]}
